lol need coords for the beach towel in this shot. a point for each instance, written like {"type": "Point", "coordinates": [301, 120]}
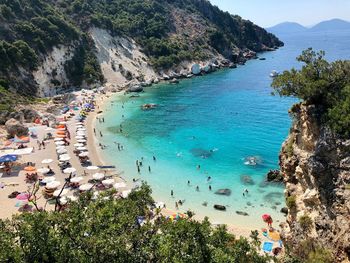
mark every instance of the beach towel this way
{"type": "Point", "coordinates": [267, 247]}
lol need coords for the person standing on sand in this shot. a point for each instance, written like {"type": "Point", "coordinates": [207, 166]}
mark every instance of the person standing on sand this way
{"type": "Point", "coordinates": [94, 131]}
{"type": "Point", "coordinates": [176, 206]}
{"type": "Point", "coordinates": [43, 143]}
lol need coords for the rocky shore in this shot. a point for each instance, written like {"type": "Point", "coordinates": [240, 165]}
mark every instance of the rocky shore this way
{"type": "Point", "coordinates": [315, 165]}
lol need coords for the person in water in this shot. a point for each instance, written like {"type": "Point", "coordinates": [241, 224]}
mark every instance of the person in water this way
{"type": "Point", "coordinates": [209, 187]}
{"type": "Point", "coordinates": [197, 188]}
{"type": "Point", "coordinates": [138, 169]}
{"type": "Point", "coordinates": [154, 158]}
{"type": "Point", "coordinates": [188, 182]}
{"type": "Point", "coordinates": [172, 193]}
{"type": "Point", "coordinates": [149, 168]}
{"type": "Point", "coordinates": [198, 167]}
{"type": "Point", "coordinates": [209, 178]}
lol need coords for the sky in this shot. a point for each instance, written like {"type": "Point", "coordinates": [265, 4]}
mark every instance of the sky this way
{"type": "Point", "coordinates": [268, 13]}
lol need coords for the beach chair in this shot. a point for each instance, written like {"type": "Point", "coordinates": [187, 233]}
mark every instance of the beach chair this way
{"type": "Point", "coordinates": [267, 247]}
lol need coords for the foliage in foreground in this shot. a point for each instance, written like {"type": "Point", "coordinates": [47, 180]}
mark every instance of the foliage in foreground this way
{"type": "Point", "coordinates": [324, 84]}
{"type": "Point", "coordinates": [107, 231]}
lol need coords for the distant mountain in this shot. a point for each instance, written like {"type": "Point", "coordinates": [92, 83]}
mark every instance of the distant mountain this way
{"type": "Point", "coordinates": [291, 27]}
{"type": "Point", "coordinates": [334, 24]}
{"type": "Point", "coordinates": [286, 27]}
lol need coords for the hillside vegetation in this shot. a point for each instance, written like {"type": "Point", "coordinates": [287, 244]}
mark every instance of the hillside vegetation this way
{"type": "Point", "coordinates": [30, 29]}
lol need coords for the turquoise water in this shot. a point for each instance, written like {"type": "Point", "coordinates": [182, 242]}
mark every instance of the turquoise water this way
{"type": "Point", "coordinates": [224, 117]}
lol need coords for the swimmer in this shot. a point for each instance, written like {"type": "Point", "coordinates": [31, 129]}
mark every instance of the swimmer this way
{"type": "Point", "coordinates": [188, 182]}
{"type": "Point", "coordinates": [149, 168]}
{"type": "Point", "coordinates": [138, 169]}
{"type": "Point", "coordinates": [209, 187]}
{"type": "Point", "coordinates": [197, 188]}
{"type": "Point", "coordinates": [198, 167]}
{"type": "Point", "coordinates": [154, 158]}
{"type": "Point", "coordinates": [172, 193]}
{"type": "Point", "coordinates": [209, 178]}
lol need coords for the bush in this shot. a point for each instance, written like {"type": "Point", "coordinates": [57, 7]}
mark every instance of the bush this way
{"type": "Point", "coordinates": [305, 222]}
{"type": "Point", "coordinates": [291, 202]}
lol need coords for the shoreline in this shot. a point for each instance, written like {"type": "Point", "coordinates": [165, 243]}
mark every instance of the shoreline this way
{"type": "Point", "coordinates": [101, 101]}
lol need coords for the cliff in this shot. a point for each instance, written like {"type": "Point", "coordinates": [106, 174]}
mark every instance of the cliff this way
{"type": "Point", "coordinates": [316, 167]}
{"type": "Point", "coordinates": [48, 47]}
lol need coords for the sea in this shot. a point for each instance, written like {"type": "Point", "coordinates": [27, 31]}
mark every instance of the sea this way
{"type": "Point", "coordinates": [205, 130]}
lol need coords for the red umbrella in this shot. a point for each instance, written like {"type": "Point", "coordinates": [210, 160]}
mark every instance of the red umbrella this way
{"type": "Point", "coordinates": [266, 218]}
{"type": "Point", "coordinates": [22, 197]}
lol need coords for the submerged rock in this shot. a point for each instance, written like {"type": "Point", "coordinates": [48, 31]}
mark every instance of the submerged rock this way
{"type": "Point", "coordinates": [226, 192]}
{"type": "Point", "coordinates": [270, 197]}
{"type": "Point", "coordinates": [241, 213]}
{"type": "Point", "coordinates": [202, 153]}
{"type": "Point", "coordinates": [247, 180]}
{"type": "Point", "coordinates": [149, 106]}
{"type": "Point", "coordinates": [220, 207]}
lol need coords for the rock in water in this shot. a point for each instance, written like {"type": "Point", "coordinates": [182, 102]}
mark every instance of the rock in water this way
{"type": "Point", "coordinates": [247, 180]}
{"type": "Point", "coordinates": [220, 207]}
{"type": "Point", "coordinates": [198, 152]}
{"type": "Point", "coordinates": [274, 176]}
{"type": "Point", "coordinates": [241, 213]}
{"type": "Point", "coordinates": [226, 192]}
{"type": "Point", "coordinates": [14, 127]}
{"type": "Point", "coordinates": [284, 210]}
{"type": "Point", "coordinates": [136, 88]}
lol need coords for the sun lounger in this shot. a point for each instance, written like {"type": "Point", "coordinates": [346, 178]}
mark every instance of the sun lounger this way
{"type": "Point", "coordinates": [267, 247]}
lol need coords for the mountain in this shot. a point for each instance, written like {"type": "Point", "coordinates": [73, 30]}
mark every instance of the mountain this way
{"type": "Point", "coordinates": [49, 46]}
{"type": "Point", "coordinates": [291, 27]}
{"type": "Point", "coordinates": [334, 24]}
{"type": "Point", "coordinates": [287, 27]}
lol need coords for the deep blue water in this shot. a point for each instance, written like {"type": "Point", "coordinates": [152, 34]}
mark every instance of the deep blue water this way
{"type": "Point", "coordinates": [226, 117]}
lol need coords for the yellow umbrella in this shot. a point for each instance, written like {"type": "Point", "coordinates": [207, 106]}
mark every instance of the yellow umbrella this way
{"type": "Point", "coordinates": [274, 235]}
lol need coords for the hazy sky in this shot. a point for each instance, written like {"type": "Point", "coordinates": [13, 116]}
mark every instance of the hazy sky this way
{"type": "Point", "coordinates": [270, 12]}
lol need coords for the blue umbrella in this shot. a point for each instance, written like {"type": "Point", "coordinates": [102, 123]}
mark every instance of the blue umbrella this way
{"type": "Point", "coordinates": [8, 158]}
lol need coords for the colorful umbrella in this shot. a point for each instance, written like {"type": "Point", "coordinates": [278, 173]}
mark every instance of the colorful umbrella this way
{"type": "Point", "coordinates": [29, 168]}
{"type": "Point", "coordinates": [23, 197]}
{"type": "Point", "coordinates": [8, 158]}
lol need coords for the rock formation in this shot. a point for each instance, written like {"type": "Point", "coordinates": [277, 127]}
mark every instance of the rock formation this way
{"type": "Point", "coordinates": [315, 164]}
{"type": "Point", "coordinates": [15, 128]}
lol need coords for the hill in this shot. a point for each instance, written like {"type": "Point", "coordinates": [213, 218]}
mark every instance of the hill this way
{"type": "Point", "coordinates": [334, 24]}
{"type": "Point", "coordinates": [291, 27]}
{"type": "Point", "coordinates": [287, 27]}
{"type": "Point", "coordinates": [49, 46]}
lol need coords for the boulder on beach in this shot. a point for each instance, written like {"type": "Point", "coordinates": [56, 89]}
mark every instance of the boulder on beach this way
{"type": "Point", "coordinates": [196, 69]}
{"type": "Point", "coordinates": [226, 192]}
{"type": "Point", "coordinates": [247, 179]}
{"type": "Point", "coordinates": [174, 81]}
{"type": "Point", "coordinates": [284, 210]}
{"type": "Point", "coordinates": [15, 128]}
{"type": "Point", "coordinates": [135, 88]}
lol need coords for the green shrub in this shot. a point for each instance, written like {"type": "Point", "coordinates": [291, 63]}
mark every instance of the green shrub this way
{"type": "Point", "coordinates": [305, 222]}
{"type": "Point", "coordinates": [291, 202]}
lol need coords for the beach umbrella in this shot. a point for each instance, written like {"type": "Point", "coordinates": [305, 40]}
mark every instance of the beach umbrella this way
{"type": "Point", "coordinates": [49, 129]}
{"type": "Point", "coordinates": [79, 123]}
{"type": "Point", "coordinates": [61, 129]}
{"type": "Point", "coordinates": [23, 197]}
{"type": "Point", "coordinates": [29, 168]}
{"type": "Point", "coordinates": [61, 132]}
{"type": "Point", "coordinates": [43, 170]}
{"type": "Point", "coordinates": [60, 147]}
{"type": "Point", "coordinates": [266, 218]}
{"type": "Point", "coordinates": [8, 158]}
{"type": "Point", "coordinates": [120, 185]}
{"type": "Point", "coordinates": [98, 176]}
{"type": "Point", "coordinates": [85, 187]}
{"type": "Point", "coordinates": [79, 137]}
{"type": "Point", "coordinates": [60, 126]}
{"type": "Point", "coordinates": [69, 170]}
{"type": "Point", "coordinates": [81, 129]}
{"type": "Point", "coordinates": [81, 140]}
{"type": "Point", "coordinates": [126, 193]}
{"type": "Point", "coordinates": [92, 167]}
{"type": "Point", "coordinates": [62, 122]}
{"type": "Point", "coordinates": [81, 133]}
{"type": "Point", "coordinates": [48, 179]}
{"type": "Point", "coordinates": [59, 143]}
{"type": "Point", "coordinates": [78, 145]}
{"type": "Point", "coordinates": [47, 161]}
{"type": "Point", "coordinates": [76, 179]}
{"type": "Point", "coordinates": [274, 235]}
{"type": "Point", "coordinates": [53, 185]}
{"type": "Point", "coordinates": [108, 182]}
{"type": "Point", "coordinates": [58, 139]}
{"type": "Point", "coordinates": [64, 158]}
{"type": "Point", "coordinates": [61, 136]}
{"type": "Point", "coordinates": [81, 148]}
{"type": "Point", "coordinates": [84, 154]}
{"type": "Point", "coordinates": [63, 200]}
{"type": "Point", "coordinates": [61, 151]}
{"type": "Point", "coordinates": [58, 191]}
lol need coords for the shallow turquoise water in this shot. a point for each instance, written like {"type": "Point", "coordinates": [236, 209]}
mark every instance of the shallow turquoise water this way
{"type": "Point", "coordinates": [225, 116]}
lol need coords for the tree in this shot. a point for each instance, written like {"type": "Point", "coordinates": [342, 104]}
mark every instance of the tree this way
{"type": "Point", "coordinates": [323, 84]}
{"type": "Point", "coordinates": [107, 230]}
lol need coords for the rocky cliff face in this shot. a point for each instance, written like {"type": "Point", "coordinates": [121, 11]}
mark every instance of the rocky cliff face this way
{"type": "Point", "coordinates": [316, 168]}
